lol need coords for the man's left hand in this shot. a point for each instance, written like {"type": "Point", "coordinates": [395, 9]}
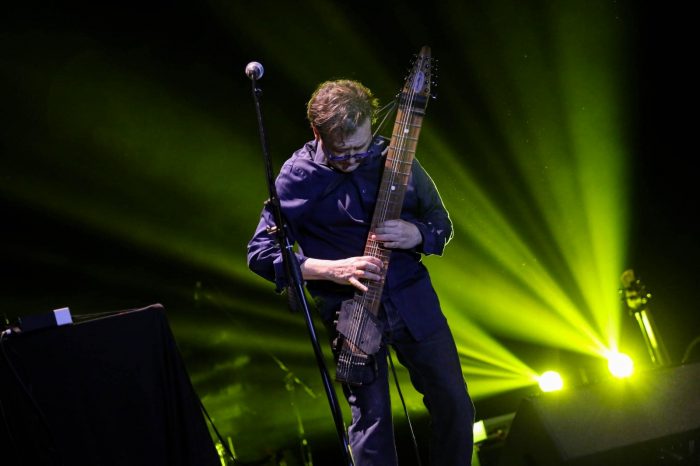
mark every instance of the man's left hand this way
{"type": "Point", "coordinates": [397, 234]}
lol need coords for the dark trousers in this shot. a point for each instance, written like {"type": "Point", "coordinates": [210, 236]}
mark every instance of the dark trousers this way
{"type": "Point", "coordinates": [435, 371]}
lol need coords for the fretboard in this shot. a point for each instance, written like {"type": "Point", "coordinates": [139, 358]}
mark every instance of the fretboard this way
{"type": "Point", "coordinates": [358, 326]}
{"type": "Point", "coordinates": [397, 172]}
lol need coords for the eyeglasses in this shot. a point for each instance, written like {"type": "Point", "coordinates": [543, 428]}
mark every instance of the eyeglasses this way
{"type": "Point", "coordinates": [376, 147]}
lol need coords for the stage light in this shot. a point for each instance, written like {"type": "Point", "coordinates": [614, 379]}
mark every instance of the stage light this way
{"type": "Point", "coordinates": [620, 365]}
{"type": "Point", "coordinates": [479, 431]}
{"type": "Point", "coordinates": [550, 381]}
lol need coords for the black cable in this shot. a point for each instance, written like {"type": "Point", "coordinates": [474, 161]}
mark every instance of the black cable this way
{"type": "Point", "coordinates": [6, 423]}
{"type": "Point", "coordinates": [183, 368]}
{"type": "Point", "coordinates": [53, 451]}
{"type": "Point", "coordinates": [201, 294]}
{"type": "Point", "coordinates": [405, 410]}
{"type": "Point", "coordinates": [225, 445]}
{"type": "Point", "coordinates": [689, 350]}
{"type": "Point", "coordinates": [221, 439]}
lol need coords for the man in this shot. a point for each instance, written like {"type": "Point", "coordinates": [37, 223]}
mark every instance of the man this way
{"type": "Point", "coordinates": [327, 191]}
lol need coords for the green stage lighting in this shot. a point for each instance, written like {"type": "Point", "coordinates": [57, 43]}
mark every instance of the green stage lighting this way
{"type": "Point", "coordinates": [529, 144]}
{"type": "Point", "coordinates": [480, 433]}
{"type": "Point", "coordinates": [550, 381]}
{"type": "Point", "coordinates": [620, 365]}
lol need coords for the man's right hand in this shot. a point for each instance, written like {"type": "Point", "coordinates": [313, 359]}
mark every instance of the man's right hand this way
{"type": "Point", "coordinates": [344, 271]}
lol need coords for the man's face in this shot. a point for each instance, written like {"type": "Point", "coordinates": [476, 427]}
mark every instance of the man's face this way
{"type": "Point", "coordinates": [355, 143]}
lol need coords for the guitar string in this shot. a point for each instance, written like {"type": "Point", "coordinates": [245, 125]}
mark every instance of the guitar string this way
{"type": "Point", "coordinates": [405, 120]}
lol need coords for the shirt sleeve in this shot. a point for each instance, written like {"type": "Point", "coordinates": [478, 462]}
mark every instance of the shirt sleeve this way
{"type": "Point", "coordinates": [264, 255]}
{"type": "Point", "coordinates": [433, 220]}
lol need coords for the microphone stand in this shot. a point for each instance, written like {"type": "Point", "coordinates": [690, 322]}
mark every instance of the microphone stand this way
{"type": "Point", "coordinates": [635, 295]}
{"type": "Point", "coordinates": [290, 383]}
{"type": "Point", "coordinates": [294, 277]}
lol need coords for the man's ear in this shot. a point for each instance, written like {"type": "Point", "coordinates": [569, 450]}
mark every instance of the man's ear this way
{"type": "Point", "coordinates": [317, 135]}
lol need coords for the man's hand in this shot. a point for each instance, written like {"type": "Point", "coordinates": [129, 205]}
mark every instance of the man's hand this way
{"type": "Point", "coordinates": [344, 271]}
{"type": "Point", "coordinates": [397, 234]}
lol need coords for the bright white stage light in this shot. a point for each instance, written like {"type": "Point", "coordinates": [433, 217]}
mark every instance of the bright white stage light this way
{"type": "Point", "coordinates": [550, 381]}
{"type": "Point", "coordinates": [620, 365]}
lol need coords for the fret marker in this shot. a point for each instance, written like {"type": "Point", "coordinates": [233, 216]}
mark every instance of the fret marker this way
{"type": "Point", "coordinates": [405, 131]}
{"type": "Point", "coordinates": [393, 188]}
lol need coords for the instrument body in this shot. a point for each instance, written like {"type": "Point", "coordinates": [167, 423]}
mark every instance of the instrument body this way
{"type": "Point", "coordinates": [360, 333]}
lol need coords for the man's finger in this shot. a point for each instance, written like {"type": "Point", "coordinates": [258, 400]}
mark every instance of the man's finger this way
{"type": "Point", "coordinates": [357, 284]}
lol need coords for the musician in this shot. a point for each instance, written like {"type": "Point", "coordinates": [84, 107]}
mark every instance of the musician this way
{"type": "Point", "coordinates": [327, 191]}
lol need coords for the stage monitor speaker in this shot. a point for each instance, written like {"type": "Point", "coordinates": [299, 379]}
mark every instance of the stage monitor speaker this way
{"type": "Point", "coordinates": [652, 418]}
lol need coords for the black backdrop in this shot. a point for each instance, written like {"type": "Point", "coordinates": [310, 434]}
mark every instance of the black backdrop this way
{"type": "Point", "coordinates": [108, 391]}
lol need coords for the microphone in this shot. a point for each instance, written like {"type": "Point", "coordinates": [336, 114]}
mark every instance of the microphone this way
{"type": "Point", "coordinates": [254, 70]}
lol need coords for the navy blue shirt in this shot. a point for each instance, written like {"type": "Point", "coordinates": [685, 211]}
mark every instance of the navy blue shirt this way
{"type": "Point", "coordinates": [328, 215]}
